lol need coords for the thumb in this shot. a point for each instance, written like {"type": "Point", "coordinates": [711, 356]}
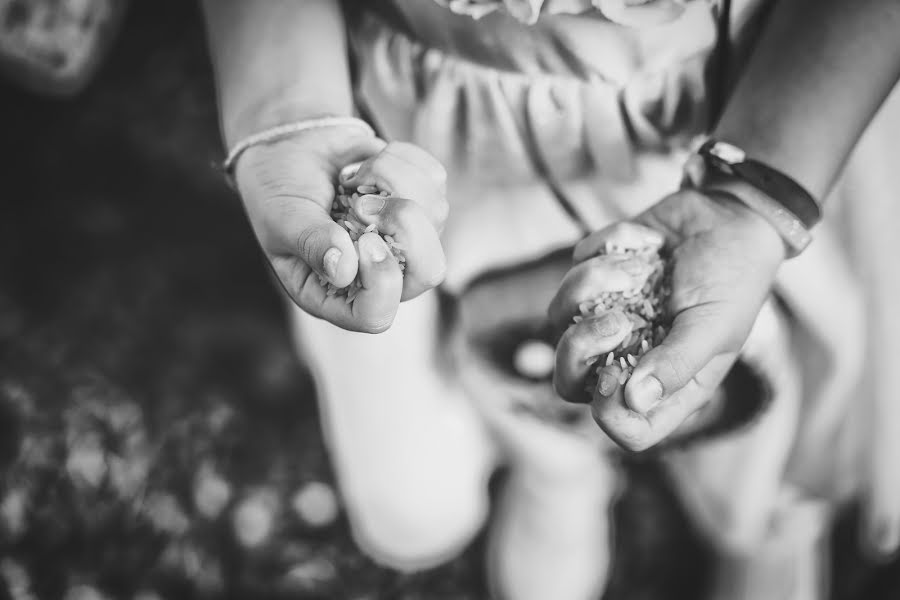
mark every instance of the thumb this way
{"type": "Point", "coordinates": [328, 250]}
{"type": "Point", "coordinates": [301, 228]}
{"type": "Point", "coordinates": [698, 335]}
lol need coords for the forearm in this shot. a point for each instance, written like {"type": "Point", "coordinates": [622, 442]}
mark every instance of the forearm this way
{"type": "Point", "coordinates": [820, 71]}
{"type": "Point", "coordinates": [277, 61]}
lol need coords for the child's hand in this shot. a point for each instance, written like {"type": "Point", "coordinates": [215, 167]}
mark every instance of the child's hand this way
{"type": "Point", "coordinates": [724, 258]}
{"type": "Point", "coordinates": [288, 188]}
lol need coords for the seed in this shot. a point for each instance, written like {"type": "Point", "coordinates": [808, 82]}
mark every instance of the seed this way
{"type": "Point", "coordinates": [609, 359]}
{"type": "Point", "coordinates": [623, 363]}
{"type": "Point", "coordinates": [632, 360]}
{"type": "Point", "coordinates": [367, 189]}
{"type": "Point", "coordinates": [645, 345]}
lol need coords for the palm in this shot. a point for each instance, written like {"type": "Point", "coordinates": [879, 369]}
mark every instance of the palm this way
{"type": "Point", "coordinates": [723, 259]}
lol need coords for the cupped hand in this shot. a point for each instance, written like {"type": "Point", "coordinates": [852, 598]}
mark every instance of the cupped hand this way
{"type": "Point", "coordinates": [288, 188]}
{"type": "Point", "coordinates": [723, 259]}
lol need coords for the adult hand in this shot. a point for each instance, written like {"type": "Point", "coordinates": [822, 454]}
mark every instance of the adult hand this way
{"type": "Point", "coordinates": [724, 258]}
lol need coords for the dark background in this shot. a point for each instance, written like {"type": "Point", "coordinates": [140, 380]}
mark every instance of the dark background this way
{"type": "Point", "coordinates": [129, 281]}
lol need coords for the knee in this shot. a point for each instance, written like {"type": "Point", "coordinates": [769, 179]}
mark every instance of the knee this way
{"type": "Point", "coordinates": [746, 533]}
{"type": "Point", "coordinates": [411, 527]}
{"type": "Point", "coordinates": [739, 535]}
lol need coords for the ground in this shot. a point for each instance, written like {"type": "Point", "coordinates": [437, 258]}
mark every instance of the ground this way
{"type": "Point", "coordinates": [144, 348]}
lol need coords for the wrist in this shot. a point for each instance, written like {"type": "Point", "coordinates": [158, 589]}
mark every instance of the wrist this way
{"type": "Point", "coordinates": [735, 196]}
{"type": "Point", "coordinates": [787, 206]}
{"type": "Point", "coordinates": [288, 105]}
{"type": "Point", "coordinates": [348, 128]}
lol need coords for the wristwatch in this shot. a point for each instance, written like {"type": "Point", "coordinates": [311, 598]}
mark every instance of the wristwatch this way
{"type": "Point", "coordinates": [782, 201]}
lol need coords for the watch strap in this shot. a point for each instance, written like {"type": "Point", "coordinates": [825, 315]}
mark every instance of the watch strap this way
{"type": "Point", "coordinates": [778, 186]}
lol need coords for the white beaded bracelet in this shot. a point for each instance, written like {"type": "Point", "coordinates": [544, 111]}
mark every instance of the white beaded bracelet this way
{"type": "Point", "coordinates": [274, 134]}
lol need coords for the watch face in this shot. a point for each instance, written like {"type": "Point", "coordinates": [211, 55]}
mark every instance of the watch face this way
{"type": "Point", "coordinates": [727, 153]}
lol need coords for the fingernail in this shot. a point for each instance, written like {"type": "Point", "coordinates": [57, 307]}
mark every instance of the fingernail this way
{"type": "Point", "coordinates": [608, 381]}
{"type": "Point", "coordinates": [375, 249]}
{"type": "Point", "coordinates": [330, 262]}
{"type": "Point", "coordinates": [349, 172]}
{"type": "Point", "coordinates": [371, 204]}
{"type": "Point", "coordinates": [645, 394]}
{"type": "Point", "coordinates": [606, 325]}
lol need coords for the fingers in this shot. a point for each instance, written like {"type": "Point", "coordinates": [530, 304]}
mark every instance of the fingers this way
{"type": "Point", "coordinates": [638, 431]}
{"type": "Point", "coordinates": [580, 345]}
{"type": "Point", "coordinates": [288, 190]}
{"type": "Point", "coordinates": [672, 380]}
{"type": "Point", "coordinates": [407, 171]}
{"type": "Point", "coordinates": [375, 304]}
{"type": "Point", "coordinates": [621, 236]}
{"type": "Point", "coordinates": [590, 279]}
{"type": "Point", "coordinates": [406, 222]}
{"type": "Point", "coordinates": [382, 285]}
{"type": "Point", "coordinates": [698, 334]}
{"type": "Point", "coordinates": [300, 228]}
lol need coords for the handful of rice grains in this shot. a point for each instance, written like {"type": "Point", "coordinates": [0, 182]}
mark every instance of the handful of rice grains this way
{"type": "Point", "coordinates": [645, 306]}
{"type": "Point", "coordinates": [343, 214]}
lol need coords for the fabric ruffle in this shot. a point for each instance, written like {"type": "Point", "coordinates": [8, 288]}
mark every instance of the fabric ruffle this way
{"type": "Point", "coordinates": [634, 13]}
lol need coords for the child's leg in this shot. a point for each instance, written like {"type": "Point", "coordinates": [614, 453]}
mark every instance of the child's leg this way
{"type": "Point", "coordinates": [768, 540]}
{"type": "Point", "coordinates": [787, 565]}
{"type": "Point", "coordinates": [410, 455]}
{"type": "Point", "coordinates": [551, 536]}
{"type": "Point", "coordinates": [551, 530]}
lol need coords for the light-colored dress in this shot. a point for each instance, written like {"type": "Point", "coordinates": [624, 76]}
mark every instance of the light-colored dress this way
{"type": "Point", "coordinates": [554, 118]}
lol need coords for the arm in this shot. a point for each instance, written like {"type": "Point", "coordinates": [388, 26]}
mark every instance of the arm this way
{"type": "Point", "coordinates": [819, 72]}
{"type": "Point", "coordinates": [279, 62]}
{"type": "Point", "coordinates": [276, 62]}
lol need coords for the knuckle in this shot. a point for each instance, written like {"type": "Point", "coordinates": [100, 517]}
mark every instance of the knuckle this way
{"type": "Point", "coordinates": [629, 435]}
{"type": "Point", "coordinates": [635, 443]}
{"type": "Point", "coordinates": [309, 241]}
{"type": "Point", "coordinates": [675, 370]}
{"type": "Point", "coordinates": [438, 274]}
{"type": "Point", "coordinates": [403, 213]}
{"type": "Point", "coordinates": [421, 158]}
